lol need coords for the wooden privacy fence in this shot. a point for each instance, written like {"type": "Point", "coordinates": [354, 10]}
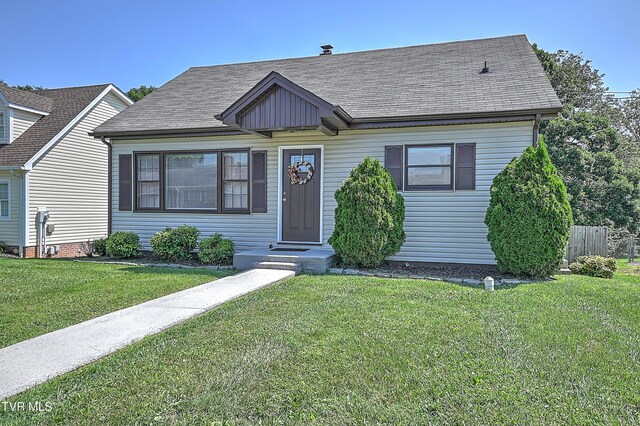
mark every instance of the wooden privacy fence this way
{"type": "Point", "coordinates": [585, 240]}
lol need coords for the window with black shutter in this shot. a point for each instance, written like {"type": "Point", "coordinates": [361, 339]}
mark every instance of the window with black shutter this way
{"type": "Point", "coordinates": [259, 182]}
{"type": "Point", "coordinates": [124, 182]}
{"type": "Point", "coordinates": [465, 166]}
{"type": "Point", "coordinates": [393, 162]}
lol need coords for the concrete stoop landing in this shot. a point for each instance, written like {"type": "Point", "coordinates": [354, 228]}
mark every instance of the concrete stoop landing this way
{"type": "Point", "coordinates": [314, 260]}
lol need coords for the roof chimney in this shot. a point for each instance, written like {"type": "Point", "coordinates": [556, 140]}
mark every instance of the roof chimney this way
{"type": "Point", "coordinates": [326, 49]}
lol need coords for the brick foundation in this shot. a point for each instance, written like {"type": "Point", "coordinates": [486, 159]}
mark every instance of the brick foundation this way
{"type": "Point", "coordinates": [66, 250]}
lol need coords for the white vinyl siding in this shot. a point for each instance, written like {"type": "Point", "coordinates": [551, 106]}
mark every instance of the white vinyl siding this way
{"type": "Point", "coordinates": [71, 181]}
{"type": "Point", "coordinates": [22, 120]}
{"type": "Point", "coordinates": [10, 226]}
{"type": "Point", "coordinates": [441, 226]}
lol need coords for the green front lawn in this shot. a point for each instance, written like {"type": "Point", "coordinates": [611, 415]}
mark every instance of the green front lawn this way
{"type": "Point", "coordinates": [354, 350]}
{"type": "Point", "coordinates": [39, 296]}
{"type": "Point", "coordinates": [625, 267]}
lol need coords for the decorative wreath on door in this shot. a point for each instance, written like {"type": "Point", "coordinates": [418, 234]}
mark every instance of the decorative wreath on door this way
{"type": "Point", "coordinates": [295, 169]}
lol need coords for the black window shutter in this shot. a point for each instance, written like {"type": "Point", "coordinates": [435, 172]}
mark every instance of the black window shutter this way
{"type": "Point", "coordinates": [259, 182]}
{"type": "Point", "coordinates": [124, 183]}
{"type": "Point", "coordinates": [393, 163]}
{"type": "Point", "coordinates": [466, 166]}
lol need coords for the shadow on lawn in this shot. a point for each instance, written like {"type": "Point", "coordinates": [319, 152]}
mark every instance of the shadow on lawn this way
{"type": "Point", "coordinates": [164, 270]}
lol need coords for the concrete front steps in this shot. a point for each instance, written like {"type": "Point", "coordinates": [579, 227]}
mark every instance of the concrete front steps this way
{"type": "Point", "coordinates": [313, 260]}
{"type": "Point", "coordinates": [283, 266]}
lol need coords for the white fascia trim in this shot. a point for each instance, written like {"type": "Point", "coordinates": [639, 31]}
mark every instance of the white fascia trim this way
{"type": "Point", "coordinates": [76, 120]}
{"type": "Point", "coordinates": [120, 94]}
{"type": "Point", "coordinates": [27, 109]}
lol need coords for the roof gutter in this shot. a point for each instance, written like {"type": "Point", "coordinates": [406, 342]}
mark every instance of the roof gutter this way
{"type": "Point", "coordinates": [545, 112]}
{"type": "Point", "coordinates": [11, 168]}
{"type": "Point", "coordinates": [353, 123]}
{"type": "Point", "coordinates": [145, 134]}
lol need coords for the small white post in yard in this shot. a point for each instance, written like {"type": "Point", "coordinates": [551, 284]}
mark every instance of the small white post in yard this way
{"type": "Point", "coordinates": [488, 284]}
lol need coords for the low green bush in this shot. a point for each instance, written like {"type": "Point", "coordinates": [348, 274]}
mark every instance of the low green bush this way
{"type": "Point", "coordinates": [594, 266]}
{"type": "Point", "coordinates": [4, 248]}
{"type": "Point", "coordinates": [215, 250]}
{"type": "Point", "coordinates": [99, 247]}
{"type": "Point", "coordinates": [175, 244]}
{"type": "Point", "coordinates": [123, 244]}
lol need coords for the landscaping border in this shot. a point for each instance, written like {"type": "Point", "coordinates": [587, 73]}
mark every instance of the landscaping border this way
{"type": "Point", "coordinates": [382, 274]}
{"type": "Point", "coordinates": [157, 265]}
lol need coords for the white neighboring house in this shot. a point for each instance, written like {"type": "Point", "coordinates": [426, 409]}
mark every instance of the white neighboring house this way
{"type": "Point", "coordinates": [48, 161]}
{"type": "Point", "coordinates": [211, 148]}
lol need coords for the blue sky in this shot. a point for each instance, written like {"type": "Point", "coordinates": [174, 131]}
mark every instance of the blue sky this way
{"type": "Point", "coordinates": [129, 43]}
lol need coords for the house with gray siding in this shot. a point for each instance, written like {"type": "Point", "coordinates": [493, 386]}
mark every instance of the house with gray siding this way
{"type": "Point", "coordinates": [49, 163]}
{"type": "Point", "coordinates": [213, 147]}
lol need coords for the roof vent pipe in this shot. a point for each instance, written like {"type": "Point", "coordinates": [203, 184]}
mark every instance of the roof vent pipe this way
{"type": "Point", "coordinates": [485, 69]}
{"type": "Point", "coordinates": [326, 49]}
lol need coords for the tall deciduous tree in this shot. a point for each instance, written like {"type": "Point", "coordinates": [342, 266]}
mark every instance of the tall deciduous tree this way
{"type": "Point", "coordinates": [602, 190]}
{"type": "Point", "coordinates": [586, 144]}
{"type": "Point", "coordinates": [629, 125]}
{"type": "Point", "coordinates": [575, 80]}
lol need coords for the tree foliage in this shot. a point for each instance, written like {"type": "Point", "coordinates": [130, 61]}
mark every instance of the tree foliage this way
{"type": "Point", "coordinates": [26, 87]}
{"type": "Point", "coordinates": [137, 93]}
{"type": "Point", "coordinates": [592, 143]}
{"type": "Point", "coordinates": [369, 217]}
{"type": "Point", "coordinates": [602, 190]}
{"type": "Point", "coordinates": [575, 80]}
{"type": "Point", "coordinates": [529, 215]}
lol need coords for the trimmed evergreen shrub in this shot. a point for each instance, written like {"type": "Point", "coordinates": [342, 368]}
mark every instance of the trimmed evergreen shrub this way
{"type": "Point", "coordinates": [123, 244]}
{"type": "Point", "coordinates": [369, 217]}
{"type": "Point", "coordinates": [215, 250]}
{"type": "Point", "coordinates": [175, 244]}
{"type": "Point", "coordinates": [99, 247]}
{"type": "Point", "coordinates": [594, 266]}
{"type": "Point", "coordinates": [529, 215]}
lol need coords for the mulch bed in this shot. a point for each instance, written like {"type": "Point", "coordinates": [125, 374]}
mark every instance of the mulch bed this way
{"type": "Point", "coordinates": [147, 258]}
{"type": "Point", "coordinates": [478, 273]}
{"type": "Point", "coordinates": [455, 274]}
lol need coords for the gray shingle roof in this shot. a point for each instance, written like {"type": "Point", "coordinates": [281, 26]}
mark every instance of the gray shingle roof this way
{"type": "Point", "coordinates": [428, 80]}
{"type": "Point", "coordinates": [66, 103]}
{"type": "Point", "coordinates": [26, 99]}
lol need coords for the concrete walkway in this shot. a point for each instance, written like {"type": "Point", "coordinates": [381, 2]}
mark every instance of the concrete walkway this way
{"type": "Point", "coordinates": [36, 360]}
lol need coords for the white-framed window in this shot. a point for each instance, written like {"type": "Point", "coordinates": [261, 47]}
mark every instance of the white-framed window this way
{"type": "Point", "coordinates": [5, 200]}
{"type": "Point", "coordinates": [4, 127]}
